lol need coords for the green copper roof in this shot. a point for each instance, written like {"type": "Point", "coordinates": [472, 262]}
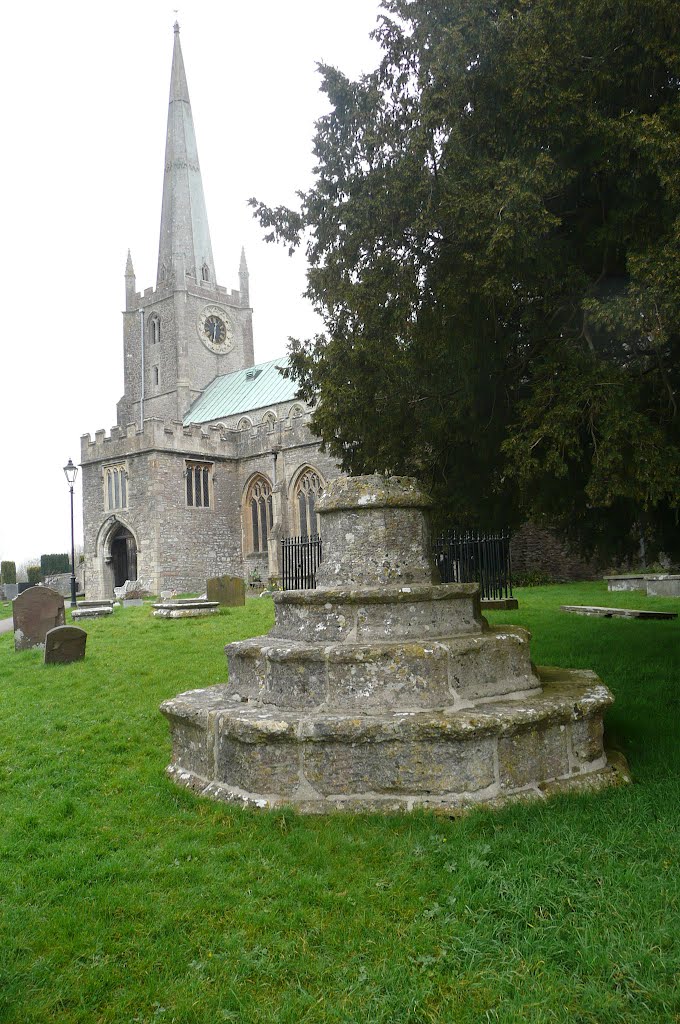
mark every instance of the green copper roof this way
{"type": "Point", "coordinates": [256, 387]}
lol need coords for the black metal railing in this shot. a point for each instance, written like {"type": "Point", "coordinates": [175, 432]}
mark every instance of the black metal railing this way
{"type": "Point", "coordinates": [472, 557]}
{"type": "Point", "coordinates": [300, 557]}
{"type": "Point", "coordinates": [461, 557]}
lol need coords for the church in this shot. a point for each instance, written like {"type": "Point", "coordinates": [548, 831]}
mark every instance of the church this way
{"type": "Point", "coordinates": [211, 461]}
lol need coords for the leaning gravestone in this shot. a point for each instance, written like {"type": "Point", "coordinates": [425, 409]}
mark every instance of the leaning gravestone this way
{"type": "Point", "coordinates": [35, 611]}
{"type": "Point", "coordinates": [230, 591]}
{"type": "Point", "coordinates": [64, 644]}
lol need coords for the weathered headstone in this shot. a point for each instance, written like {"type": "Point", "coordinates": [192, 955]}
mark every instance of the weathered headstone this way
{"type": "Point", "coordinates": [35, 611]}
{"type": "Point", "coordinates": [228, 590]}
{"type": "Point", "coordinates": [64, 644]}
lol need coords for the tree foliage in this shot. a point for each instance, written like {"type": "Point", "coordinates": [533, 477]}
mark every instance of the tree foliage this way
{"type": "Point", "coordinates": [493, 236]}
{"type": "Point", "coordinates": [52, 565]}
{"type": "Point", "coordinates": [8, 572]}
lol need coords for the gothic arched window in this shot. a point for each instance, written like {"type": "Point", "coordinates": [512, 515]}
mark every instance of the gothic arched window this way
{"type": "Point", "coordinates": [154, 328]}
{"type": "Point", "coordinates": [115, 487]}
{"type": "Point", "coordinates": [308, 490]}
{"type": "Point", "coordinates": [269, 420]}
{"type": "Point", "coordinates": [258, 514]}
{"type": "Point", "coordinates": [198, 483]}
{"type": "Point", "coordinates": [244, 423]}
{"type": "Point", "coordinates": [205, 272]}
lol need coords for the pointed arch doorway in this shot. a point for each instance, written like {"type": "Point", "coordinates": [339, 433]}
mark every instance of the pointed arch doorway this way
{"type": "Point", "coordinates": [123, 556]}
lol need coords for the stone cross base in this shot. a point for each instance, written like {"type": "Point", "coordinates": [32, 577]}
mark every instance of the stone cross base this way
{"type": "Point", "coordinates": [440, 759]}
{"type": "Point", "coordinates": [386, 690]}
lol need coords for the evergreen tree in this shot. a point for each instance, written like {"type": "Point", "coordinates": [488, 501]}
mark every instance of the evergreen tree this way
{"type": "Point", "coordinates": [494, 245]}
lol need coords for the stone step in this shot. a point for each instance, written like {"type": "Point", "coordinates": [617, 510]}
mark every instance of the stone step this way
{"type": "Point", "coordinates": [447, 758]}
{"type": "Point", "coordinates": [368, 614]}
{"type": "Point", "coordinates": [436, 673]}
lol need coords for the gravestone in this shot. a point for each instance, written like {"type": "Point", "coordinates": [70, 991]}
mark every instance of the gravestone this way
{"type": "Point", "coordinates": [92, 611]}
{"type": "Point", "coordinates": [230, 591]}
{"type": "Point", "coordinates": [663, 585]}
{"type": "Point", "coordinates": [35, 611]}
{"type": "Point", "coordinates": [185, 608]}
{"type": "Point", "coordinates": [601, 612]}
{"type": "Point", "coordinates": [64, 644]}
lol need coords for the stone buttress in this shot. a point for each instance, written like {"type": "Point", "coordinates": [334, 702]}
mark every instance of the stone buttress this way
{"type": "Point", "coordinates": [384, 690]}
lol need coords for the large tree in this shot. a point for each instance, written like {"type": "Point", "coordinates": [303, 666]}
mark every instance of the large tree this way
{"type": "Point", "coordinates": [493, 236]}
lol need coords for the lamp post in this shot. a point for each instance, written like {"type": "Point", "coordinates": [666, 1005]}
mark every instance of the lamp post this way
{"type": "Point", "coordinates": [71, 472]}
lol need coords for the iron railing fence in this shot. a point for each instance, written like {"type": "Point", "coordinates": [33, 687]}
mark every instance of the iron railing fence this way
{"type": "Point", "coordinates": [469, 556]}
{"type": "Point", "coordinates": [300, 557]}
{"type": "Point", "coordinates": [461, 556]}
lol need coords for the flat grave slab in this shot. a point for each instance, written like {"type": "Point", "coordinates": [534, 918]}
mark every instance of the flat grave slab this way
{"type": "Point", "coordinates": [93, 612]}
{"type": "Point", "coordinates": [618, 613]}
{"type": "Point", "coordinates": [186, 608]}
{"type": "Point", "coordinates": [64, 644]}
{"type": "Point", "coordinates": [502, 604]}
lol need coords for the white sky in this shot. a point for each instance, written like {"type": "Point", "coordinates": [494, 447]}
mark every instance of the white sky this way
{"type": "Point", "coordinates": [85, 94]}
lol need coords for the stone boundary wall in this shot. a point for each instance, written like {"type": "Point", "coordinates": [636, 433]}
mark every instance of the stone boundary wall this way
{"type": "Point", "coordinates": [61, 582]}
{"type": "Point", "coordinates": [534, 549]}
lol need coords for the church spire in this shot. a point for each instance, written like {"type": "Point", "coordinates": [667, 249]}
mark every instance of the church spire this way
{"type": "Point", "coordinates": [184, 245]}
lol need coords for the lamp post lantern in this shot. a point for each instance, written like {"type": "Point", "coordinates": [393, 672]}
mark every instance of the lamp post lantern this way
{"type": "Point", "coordinates": [71, 472]}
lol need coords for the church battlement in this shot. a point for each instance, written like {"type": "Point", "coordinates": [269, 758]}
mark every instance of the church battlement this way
{"type": "Point", "coordinates": [203, 442]}
{"type": "Point", "coordinates": [201, 289]}
{"type": "Point", "coordinates": [287, 433]}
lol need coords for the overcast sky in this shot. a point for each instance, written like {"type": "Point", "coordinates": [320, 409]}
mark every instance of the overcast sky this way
{"type": "Point", "coordinates": [85, 95]}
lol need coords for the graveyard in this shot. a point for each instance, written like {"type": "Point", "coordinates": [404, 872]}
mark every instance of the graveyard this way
{"type": "Point", "coordinates": [126, 898]}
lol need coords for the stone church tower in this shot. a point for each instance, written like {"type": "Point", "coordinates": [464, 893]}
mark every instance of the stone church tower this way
{"type": "Point", "coordinates": [212, 461]}
{"type": "Point", "coordinates": [189, 329]}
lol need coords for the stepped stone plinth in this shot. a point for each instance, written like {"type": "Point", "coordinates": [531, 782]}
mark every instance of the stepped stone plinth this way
{"type": "Point", "coordinates": [384, 689]}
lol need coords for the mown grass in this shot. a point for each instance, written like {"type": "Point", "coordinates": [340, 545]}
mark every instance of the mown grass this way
{"type": "Point", "coordinates": [5, 609]}
{"type": "Point", "coordinates": [125, 899]}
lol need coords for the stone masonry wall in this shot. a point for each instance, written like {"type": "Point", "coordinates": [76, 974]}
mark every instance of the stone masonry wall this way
{"type": "Point", "coordinates": [189, 363]}
{"type": "Point", "coordinates": [179, 548]}
{"type": "Point", "coordinates": [534, 549]}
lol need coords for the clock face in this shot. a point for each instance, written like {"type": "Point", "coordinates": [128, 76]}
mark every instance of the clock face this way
{"type": "Point", "coordinates": [215, 329]}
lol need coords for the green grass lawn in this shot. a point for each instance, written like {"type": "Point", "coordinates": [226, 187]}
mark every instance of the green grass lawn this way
{"type": "Point", "coordinates": [5, 609]}
{"type": "Point", "coordinates": [124, 899]}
